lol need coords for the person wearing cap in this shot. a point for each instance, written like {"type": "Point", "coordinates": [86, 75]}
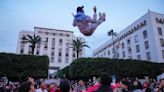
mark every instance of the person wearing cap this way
{"type": "Point", "coordinates": [86, 24]}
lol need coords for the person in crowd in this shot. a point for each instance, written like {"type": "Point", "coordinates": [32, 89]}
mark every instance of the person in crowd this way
{"type": "Point", "coordinates": [124, 85]}
{"type": "Point", "coordinates": [105, 83]}
{"type": "Point", "coordinates": [154, 85]}
{"type": "Point", "coordinates": [137, 87]}
{"type": "Point", "coordinates": [27, 87]}
{"type": "Point", "coordinates": [94, 80]}
{"type": "Point", "coordinates": [145, 86]}
{"type": "Point", "coordinates": [75, 87]}
{"type": "Point", "coordinates": [94, 87]}
{"type": "Point", "coordinates": [82, 86]}
{"type": "Point", "coordinates": [65, 85]}
{"type": "Point", "coordinates": [161, 85]}
{"type": "Point", "coordinates": [43, 87]}
{"type": "Point", "coordinates": [8, 88]}
{"type": "Point", "coordinates": [116, 87]}
{"type": "Point", "coordinates": [52, 87]}
{"type": "Point", "coordinates": [1, 86]}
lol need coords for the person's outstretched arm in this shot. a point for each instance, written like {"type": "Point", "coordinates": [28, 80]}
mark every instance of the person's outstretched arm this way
{"type": "Point", "coordinates": [74, 21]}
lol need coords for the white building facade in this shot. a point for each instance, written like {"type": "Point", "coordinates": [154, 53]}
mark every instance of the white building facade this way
{"type": "Point", "coordinates": [55, 45]}
{"type": "Point", "coordinates": [142, 40]}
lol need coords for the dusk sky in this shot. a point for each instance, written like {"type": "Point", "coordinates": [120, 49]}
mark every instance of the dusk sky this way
{"type": "Point", "coordinates": [17, 15]}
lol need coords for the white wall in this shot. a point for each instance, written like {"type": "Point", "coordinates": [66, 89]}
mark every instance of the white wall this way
{"type": "Point", "coordinates": [153, 40]}
{"type": "Point", "coordinates": [47, 52]}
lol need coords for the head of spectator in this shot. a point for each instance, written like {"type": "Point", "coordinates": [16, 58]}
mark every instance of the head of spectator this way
{"type": "Point", "coordinates": [26, 87]}
{"type": "Point", "coordinates": [105, 79]}
{"type": "Point", "coordinates": [145, 85]}
{"type": "Point", "coordinates": [105, 83]}
{"type": "Point", "coordinates": [42, 85]}
{"type": "Point", "coordinates": [52, 87]}
{"type": "Point", "coordinates": [65, 85]}
{"type": "Point", "coordinates": [124, 84]}
{"type": "Point", "coordinates": [81, 83]}
{"type": "Point", "coordinates": [137, 85]}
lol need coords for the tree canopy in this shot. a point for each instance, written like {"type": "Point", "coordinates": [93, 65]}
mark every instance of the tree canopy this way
{"type": "Point", "coordinates": [33, 40]}
{"type": "Point", "coordinates": [17, 67]}
{"type": "Point", "coordinates": [78, 45]}
{"type": "Point", "coordinates": [89, 67]}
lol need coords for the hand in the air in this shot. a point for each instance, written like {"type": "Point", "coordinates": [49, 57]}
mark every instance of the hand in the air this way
{"type": "Point", "coordinates": [94, 9]}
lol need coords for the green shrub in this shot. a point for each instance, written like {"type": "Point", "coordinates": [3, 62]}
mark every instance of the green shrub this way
{"type": "Point", "coordinates": [21, 66]}
{"type": "Point", "coordinates": [89, 67]}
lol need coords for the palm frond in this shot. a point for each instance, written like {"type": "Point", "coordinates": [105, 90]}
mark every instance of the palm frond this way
{"type": "Point", "coordinates": [24, 39]}
{"type": "Point", "coordinates": [33, 40]}
{"type": "Point", "coordinates": [30, 37]}
{"type": "Point", "coordinates": [86, 46]}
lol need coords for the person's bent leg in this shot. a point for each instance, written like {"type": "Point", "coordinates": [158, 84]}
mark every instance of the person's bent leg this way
{"type": "Point", "coordinates": [102, 16]}
{"type": "Point", "coordinates": [91, 30]}
{"type": "Point", "coordinates": [94, 18]}
{"type": "Point", "coordinates": [94, 26]}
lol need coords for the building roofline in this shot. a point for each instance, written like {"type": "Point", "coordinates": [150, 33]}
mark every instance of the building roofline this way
{"type": "Point", "coordinates": [149, 12]}
{"type": "Point", "coordinates": [53, 29]}
{"type": "Point", "coordinates": [155, 12]}
{"type": "Point", "coordinates": [27, 31]}
{"type": "Point", "coordinates": [125, 29]}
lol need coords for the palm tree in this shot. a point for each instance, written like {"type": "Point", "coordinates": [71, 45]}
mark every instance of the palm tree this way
{"type": "Point", "coordinates": [112, 33]}
{"type": "Point", "coordinates": [77, 45]}
{"type": "Point", "coordinates": [33, 40]}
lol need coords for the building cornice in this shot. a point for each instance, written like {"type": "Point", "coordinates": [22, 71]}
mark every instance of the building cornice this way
{"type": "Point", "coordinates": [52, 29]}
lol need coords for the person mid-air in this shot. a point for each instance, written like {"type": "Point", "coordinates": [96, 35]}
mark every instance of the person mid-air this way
{"type": "Point", "coordinates": [86, 24]}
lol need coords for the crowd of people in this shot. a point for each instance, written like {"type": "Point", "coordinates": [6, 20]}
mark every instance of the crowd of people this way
{"type": "Point", "coordinates": [102, 84]}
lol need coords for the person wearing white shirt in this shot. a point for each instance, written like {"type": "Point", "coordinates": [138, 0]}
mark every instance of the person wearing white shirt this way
{"type": "Point", "coordinates": [42, 87]}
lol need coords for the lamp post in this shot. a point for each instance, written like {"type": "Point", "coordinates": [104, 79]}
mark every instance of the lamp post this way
{"type": "Point", "coordinates": [112, 33]}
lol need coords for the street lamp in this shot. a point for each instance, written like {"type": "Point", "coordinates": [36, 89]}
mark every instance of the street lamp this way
{"type": "Point", "coordinates": [112, 33]}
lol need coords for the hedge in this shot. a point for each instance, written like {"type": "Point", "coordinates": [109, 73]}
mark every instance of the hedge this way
{"type": "Point", "coordinates": [63, 72]}
{"type": "Point", "coordinates": [17, 67]}
{"type": "Point", "coordinates": [89, 67]}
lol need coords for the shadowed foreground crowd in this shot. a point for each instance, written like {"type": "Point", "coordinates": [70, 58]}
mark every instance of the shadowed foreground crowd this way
{"type": "Point", "coordinates": [96, 85]}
